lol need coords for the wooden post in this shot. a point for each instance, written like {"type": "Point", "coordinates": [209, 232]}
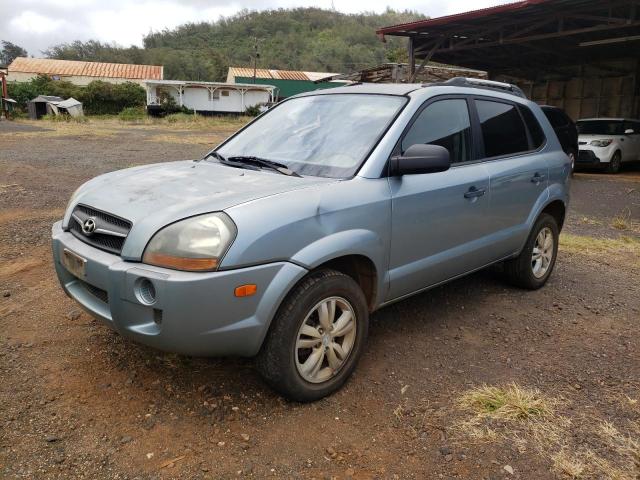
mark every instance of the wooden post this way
{"type": "Point", "coordinates": [412, 58]}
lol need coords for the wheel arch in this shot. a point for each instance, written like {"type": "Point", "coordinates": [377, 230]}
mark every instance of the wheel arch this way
{"type": "Point", "coordinates": [557, 210]}
{"type": "Point", "coordinates": [361, 269]}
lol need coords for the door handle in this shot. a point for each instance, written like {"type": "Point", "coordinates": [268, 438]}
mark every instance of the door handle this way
{"type": "Point", "coordinates": [538, 177]}
{"type": "Point", "coordinates": [474, 192]}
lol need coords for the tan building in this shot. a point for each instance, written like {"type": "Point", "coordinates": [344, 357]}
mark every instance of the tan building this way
{"type": "Point", "coordinates": [23, 69]}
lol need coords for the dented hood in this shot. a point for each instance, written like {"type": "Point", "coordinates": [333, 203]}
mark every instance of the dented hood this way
{"type": "Point", "coordinates": [153, 196]}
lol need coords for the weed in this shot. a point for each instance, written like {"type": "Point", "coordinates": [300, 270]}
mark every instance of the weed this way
{"type": "Point", "coordinates": [510, 402]}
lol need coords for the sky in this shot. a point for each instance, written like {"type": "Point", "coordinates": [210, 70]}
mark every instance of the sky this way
{"type": "Point", "coordinates": [38, 24]}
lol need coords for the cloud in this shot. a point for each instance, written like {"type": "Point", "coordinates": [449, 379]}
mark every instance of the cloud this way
{"type": "Point", "coordinates": [39, 24]}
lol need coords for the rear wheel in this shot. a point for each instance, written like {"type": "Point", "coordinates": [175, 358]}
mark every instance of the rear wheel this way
{"type": "Point", "coordinates": [572, 157]}
{"type": "Point", "coordinates": [316, 338]}
{"type": "Point", "coordinates": [615, 164]}
{"type": "Point", "coordinates": [532, 268]}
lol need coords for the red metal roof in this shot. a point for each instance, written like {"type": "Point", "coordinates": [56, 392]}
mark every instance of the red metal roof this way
{"type": "Point", "coordinates": [473, 14]}
{"type": "Point", "coordinates": [50, 66]}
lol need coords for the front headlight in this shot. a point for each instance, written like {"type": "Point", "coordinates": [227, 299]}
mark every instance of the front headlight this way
{"type": "Point", "coordinates": [601, 143]}
{"type": "Point", "coordinates": [195, 244]}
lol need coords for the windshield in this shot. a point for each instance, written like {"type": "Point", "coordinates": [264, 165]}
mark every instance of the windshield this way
{"type": "Point", "coordinates": [600, 127]}
{"type": "Point", "coordinates": [319, 135]}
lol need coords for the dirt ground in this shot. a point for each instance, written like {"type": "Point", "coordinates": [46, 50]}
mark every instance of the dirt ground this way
{"type": "Point", "coordinates": [78, 401]}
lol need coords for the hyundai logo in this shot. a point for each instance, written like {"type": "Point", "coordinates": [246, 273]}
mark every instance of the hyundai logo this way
{"type": "Point", "coordinates": [89, 226]}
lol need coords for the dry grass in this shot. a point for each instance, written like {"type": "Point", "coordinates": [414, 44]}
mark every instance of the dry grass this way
{"type": "Point", "coordinates": [527, 419]}
{"type": "Point", "coordinates": [567, 465]}
{"type": "Point", "coordinates": [594, 246]}
{"type": "Point", "coordinates": [108, 126]}
{"type": "Point", "coordinates": [507, 403]}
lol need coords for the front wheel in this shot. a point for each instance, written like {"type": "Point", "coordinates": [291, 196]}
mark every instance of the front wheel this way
{"type": "Point", "coordinates": [616, 163]}
{"type": "Point", "coordinates": [532, 268]}
{"type": "Point", "coordinates": [317, 337]}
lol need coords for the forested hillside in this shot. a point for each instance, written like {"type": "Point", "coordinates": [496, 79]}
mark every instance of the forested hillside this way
{"type": "Point", "coordinates": [298, 39]}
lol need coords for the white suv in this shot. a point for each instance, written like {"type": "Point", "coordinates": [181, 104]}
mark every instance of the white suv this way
{"type": "Point", "coordinates": [608, 142]}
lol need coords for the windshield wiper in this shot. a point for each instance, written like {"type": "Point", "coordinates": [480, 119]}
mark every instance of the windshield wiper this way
{"type": "Point", "coordinates": [262, 162]}
{"type": "Point", "coordinates": [225, 161]}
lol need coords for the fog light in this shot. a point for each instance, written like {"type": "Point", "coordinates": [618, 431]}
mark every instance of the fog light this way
{"type": "Point", "coordinates": [145, 291]}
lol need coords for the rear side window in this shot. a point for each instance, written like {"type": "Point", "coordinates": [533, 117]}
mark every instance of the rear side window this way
{"type": "Point", "coordinates": [445, 123]}
{"type": "Point", "coordinates": [502, 129]}
{"type": "Point", "coordinates": [556, 118]}
{"type": "Point", "coordinates": [535, 130]}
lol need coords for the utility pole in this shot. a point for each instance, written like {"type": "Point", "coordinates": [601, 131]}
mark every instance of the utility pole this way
{"type": "Point", "coordinates": [256, 55]}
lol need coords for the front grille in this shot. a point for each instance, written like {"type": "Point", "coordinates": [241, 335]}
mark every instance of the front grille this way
{"type": "Point", "coordinates": [582, 143]}
{"type": "Point", "coordinates": [110, 231]}
{"type": "Point", "coordinates": [100, 294]}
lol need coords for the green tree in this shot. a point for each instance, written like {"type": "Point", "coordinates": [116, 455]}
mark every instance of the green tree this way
{"type": "Point", "coordinates": [291, 39]}
{"type": "Point", "coordinates": [10, 51]}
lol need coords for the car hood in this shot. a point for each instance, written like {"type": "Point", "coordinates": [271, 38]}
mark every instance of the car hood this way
{"type": "Point", "coordinates": [153, 196]}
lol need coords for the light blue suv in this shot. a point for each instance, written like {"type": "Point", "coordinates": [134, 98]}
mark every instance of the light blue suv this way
{"type": "Point", "coordinates": [281, 241]}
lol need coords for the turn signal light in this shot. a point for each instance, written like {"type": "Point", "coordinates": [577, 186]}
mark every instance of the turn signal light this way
{"type": "Point", "coordinates": [181, 263]}
{"type": "Point", "coordinates": [246, 290]}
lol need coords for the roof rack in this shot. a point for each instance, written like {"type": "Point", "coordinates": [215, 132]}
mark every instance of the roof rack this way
{"type": "Point", "coordinates": [480, 83]}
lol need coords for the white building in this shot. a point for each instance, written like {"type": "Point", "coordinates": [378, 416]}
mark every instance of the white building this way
{"type": "Point", "coordinates": [23, 69]}
{"type": "Point", "coordinates": [208, 97]}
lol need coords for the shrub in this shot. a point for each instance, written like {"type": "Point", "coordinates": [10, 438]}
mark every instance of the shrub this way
{"type": "Point", "coordinates": [182, 117]}
{"type": "Point", "coordinates": [102, 98]}
{"type": "Point", "coordinates": [132, 114]}
{"type": "Point", "coordinates": [98, 97]}
{"type": "Point", "coordinates": [253, 111]}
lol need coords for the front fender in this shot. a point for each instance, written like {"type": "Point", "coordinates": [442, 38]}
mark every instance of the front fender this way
{"type": "Point", "coordinates": [347, 242]}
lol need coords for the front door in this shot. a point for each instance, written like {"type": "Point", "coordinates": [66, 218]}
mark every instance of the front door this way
{"type": "Point", "coordinates": [439, 219]}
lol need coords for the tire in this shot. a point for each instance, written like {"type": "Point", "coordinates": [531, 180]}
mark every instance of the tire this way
{"type": "Point", "coordinates": [285, 367]}
{"type": "Point", "coordinates": [572, 156]}
{"type": "Point", "coordinates": [615, 164]}
{"type": "Point", "coordinates": [521, 271]}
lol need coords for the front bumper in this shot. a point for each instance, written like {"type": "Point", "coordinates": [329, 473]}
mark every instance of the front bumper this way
{"type": "Point", "coordinates": [594, 157]}
{"type": "Point", "coordinates": [194, 313]}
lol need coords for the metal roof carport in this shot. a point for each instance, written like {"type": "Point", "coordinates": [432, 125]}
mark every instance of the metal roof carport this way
{"type": "Point", "coordinates": [582, 55]}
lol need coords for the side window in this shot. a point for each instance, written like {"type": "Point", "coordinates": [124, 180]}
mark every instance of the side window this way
{"type": "Point", "coordinates": [635, 126]}
{"type": "Point", "coordinates": [535, 130]}
{"type": "Point", "coordinates": [445, 123]}
{"type": "Point", "coordinates": [502, 128]}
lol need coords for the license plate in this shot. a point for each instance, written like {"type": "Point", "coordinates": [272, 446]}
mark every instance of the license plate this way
{"type": "Point", "coordinates": [74, 263]}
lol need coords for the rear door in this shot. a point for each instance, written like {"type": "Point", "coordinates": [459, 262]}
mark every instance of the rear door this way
{"type": "Point", "coordinates": [511, 137]}
{"type": "Point", "coordinates": [439, 220]}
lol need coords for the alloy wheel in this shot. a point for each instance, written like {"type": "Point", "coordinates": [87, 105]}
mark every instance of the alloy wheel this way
{"type": "Point", "coordinates": [542, 254]}
{"type": "Point", "coordinates": [325, 339]}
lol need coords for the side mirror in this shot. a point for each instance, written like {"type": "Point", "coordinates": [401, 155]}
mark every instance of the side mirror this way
{"type": "Point", "coordinates": [629, 131]}
{"type": "Point", "coordinates": [421, 158]}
